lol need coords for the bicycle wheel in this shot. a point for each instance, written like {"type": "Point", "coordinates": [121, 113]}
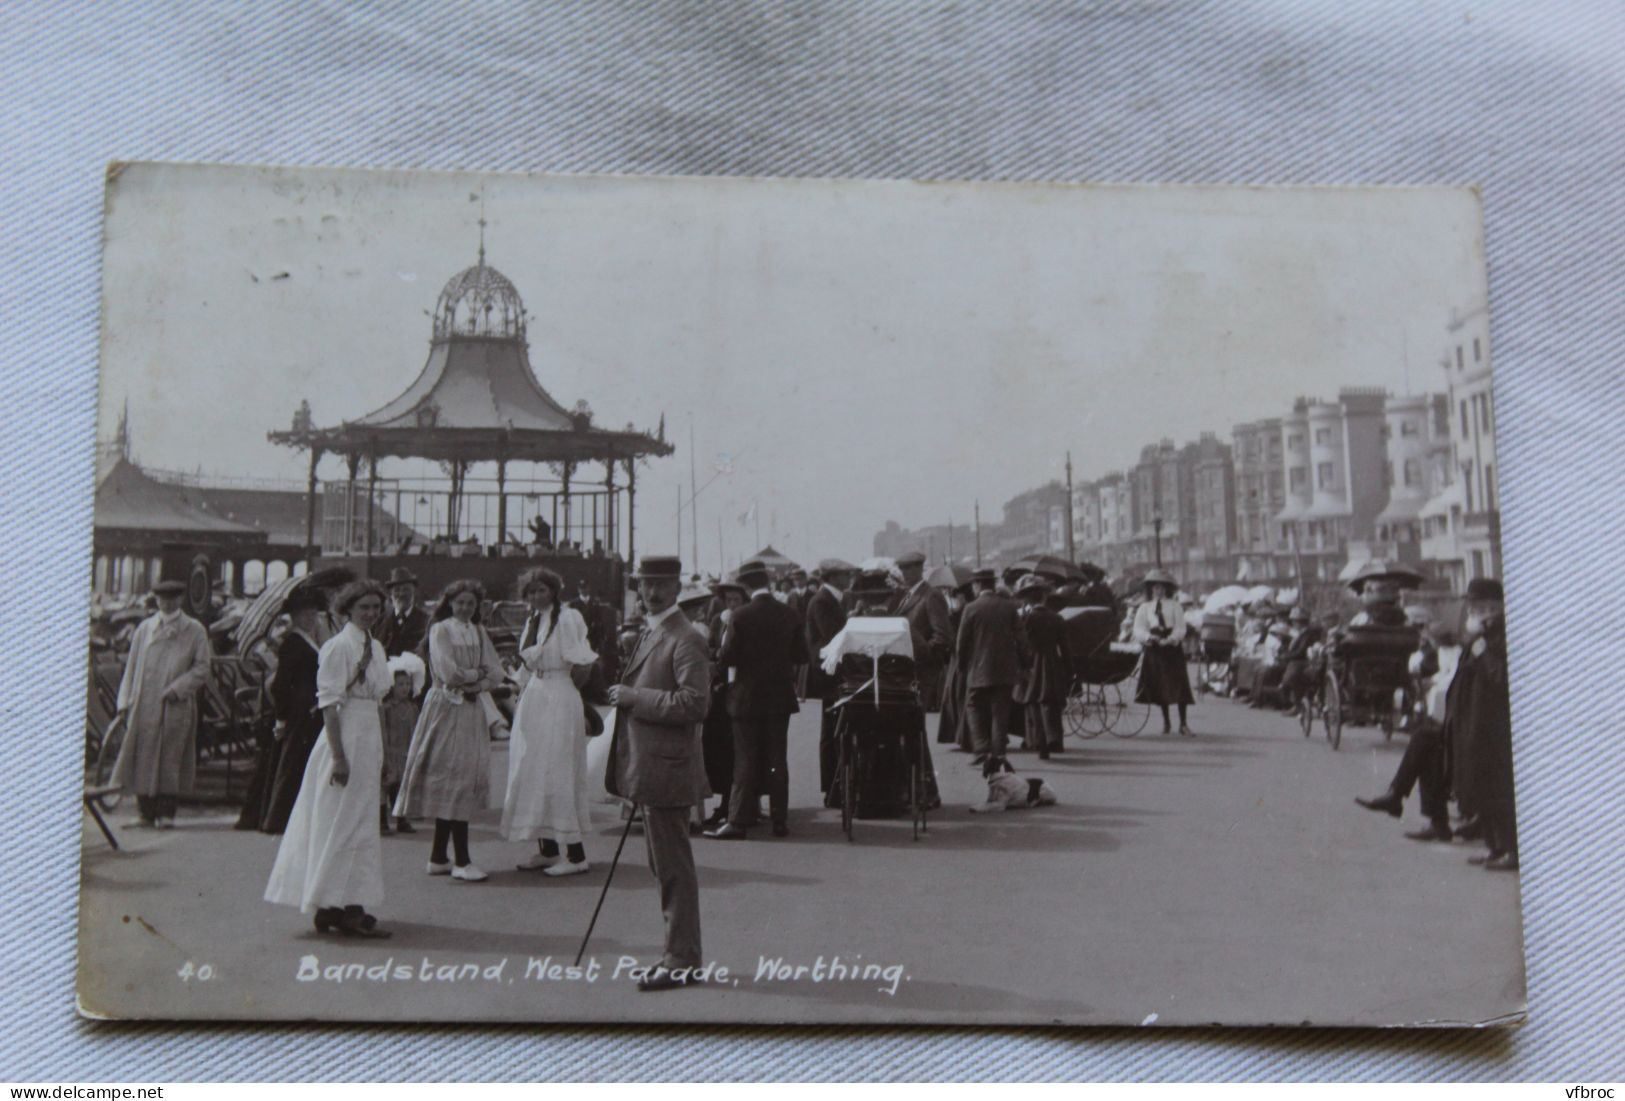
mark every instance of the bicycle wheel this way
{"type": "Point", "coordinates": [1091, 712]}
{"type": "Point", "coordinates": [1129, 717]}
{"type": "Point", "coordinates": [1076, 712]}
{"type": "Point", "coordinates": [1333, 714]}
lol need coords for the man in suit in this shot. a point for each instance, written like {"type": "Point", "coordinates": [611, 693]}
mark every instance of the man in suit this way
{"type": "Point", "coordinates": [404, 622]}
{"type": "Point", "coordinates": [826, 615]}
{"type": "Point", "coordinates": [926, 609]}
{"type": "Point", "coordinates": [655, 757]}
{"type": "Point", "coordinates": [761, 647]}
{"type": "Point", "coordinates": [989, 649]}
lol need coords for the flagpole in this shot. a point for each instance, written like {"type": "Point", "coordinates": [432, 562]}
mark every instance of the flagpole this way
{"type": "Point", "coordinates": [722, 567]}
{"type": "Point", "coordinates": [693, 485]}
{"type": "Point", "coordinates": [679, 518]}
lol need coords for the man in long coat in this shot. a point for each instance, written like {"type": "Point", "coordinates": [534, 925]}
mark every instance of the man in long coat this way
{"type": "Point", "coordinates": [157, 701]}
{"type": "Point", "coordinates": [1048, 677]}
{"type": "Point", "coordinates": [1478, 727]}
{"type": "Point", "coordinates": [761, 647]}
{"type": "Point", "coordinates": [989, 649]}
{"type": "Point", "coordinates": [926, 609]}
{"type": "Point", "coordinates": [656, 760]}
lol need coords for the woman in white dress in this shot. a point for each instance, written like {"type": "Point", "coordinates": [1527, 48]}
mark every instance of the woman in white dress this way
{"type": "Point", "coordinates": [447, 775]}
{"type": "Point", "coordinates": [329, 859]}
{"type": "Point", "coordinates": [547, 755]}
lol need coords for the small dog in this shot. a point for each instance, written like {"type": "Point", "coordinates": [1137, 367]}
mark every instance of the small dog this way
{"type": "Point", "coordinates": [1007, 791]}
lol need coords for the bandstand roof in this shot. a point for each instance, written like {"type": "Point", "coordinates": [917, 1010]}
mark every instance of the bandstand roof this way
{"type": "Point", "coordinates": [477, 399]}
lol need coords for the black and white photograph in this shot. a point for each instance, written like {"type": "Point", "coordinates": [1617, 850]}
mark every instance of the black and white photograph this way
{"type": "Point", "coordinates": [549, 598]}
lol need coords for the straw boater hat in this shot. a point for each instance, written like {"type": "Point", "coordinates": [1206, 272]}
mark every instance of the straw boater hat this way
{"type": "Point", "coordinates": [169, 588]}
{"type": "Point", "coordinates": [659, 568]}
{"type": "Point", "coordinates": [754, 574]}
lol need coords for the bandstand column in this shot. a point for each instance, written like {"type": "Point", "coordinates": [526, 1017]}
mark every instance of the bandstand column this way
{"type": "Point", "coordinates": [310, 506]}
{"type": "Point", "coordinates": [631, 513]}
{"type": "Point", "coordinates": [502, 501]}
{"type": "Point", "coordinates": [568, 468]}
{"type": "Point", "coordinates": [372, 491]}
{"type": "Point", "coordinates": [353, 461]}
{"type": "Point", "coordinates": [609, 509]}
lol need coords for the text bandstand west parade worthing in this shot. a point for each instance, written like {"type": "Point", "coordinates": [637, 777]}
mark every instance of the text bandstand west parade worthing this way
{"type": "Point", "coordinates": [382, 661]}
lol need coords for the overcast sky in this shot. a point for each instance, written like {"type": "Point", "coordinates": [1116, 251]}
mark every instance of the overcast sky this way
{"type": "Point", "coordinates": [863, 351]}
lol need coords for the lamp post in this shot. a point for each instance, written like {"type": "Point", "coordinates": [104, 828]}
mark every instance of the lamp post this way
{"type": "Point", "coordinates": [1156, 526]}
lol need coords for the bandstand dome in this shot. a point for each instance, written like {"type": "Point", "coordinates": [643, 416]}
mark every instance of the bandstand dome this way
{"type": "Point", "coordinates": [477, 398]}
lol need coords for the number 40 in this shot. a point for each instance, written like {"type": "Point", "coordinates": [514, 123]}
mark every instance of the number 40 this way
{"type": "Point", "coordinates": [202, 972]}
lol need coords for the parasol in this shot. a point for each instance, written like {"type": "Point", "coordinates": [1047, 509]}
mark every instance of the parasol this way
{"type": "Point", "coordinates": [1048, 565]}
{"type": "Point", "coordinates": [947, 577]}
{"type": "Point", "coordinates": [268, 605]}
{"type": "Point", "coordinates": [1225, 598]}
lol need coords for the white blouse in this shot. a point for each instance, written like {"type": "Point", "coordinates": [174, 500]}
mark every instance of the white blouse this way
{"type": "Point", "coordinates": [566, 646]}
{"type": "Point", "coordinates": [336, 666]}
{"type": "Point", "coordinates": [1146, 618]}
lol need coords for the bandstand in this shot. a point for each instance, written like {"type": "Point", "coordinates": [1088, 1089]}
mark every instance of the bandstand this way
{"type": "Point", "coordinates": [517, 479]}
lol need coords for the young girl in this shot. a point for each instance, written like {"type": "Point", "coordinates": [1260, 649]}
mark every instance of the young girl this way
{"type": "Point", "coordinates": [400, 719]}
{"type": "Point", "coordinates": [329, 859]}
{"type": "Point", "coordinates": [447, 773]}
{"type": "Point", "coordinates": [547, 760]}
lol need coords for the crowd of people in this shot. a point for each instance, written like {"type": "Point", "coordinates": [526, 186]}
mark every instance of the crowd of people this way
{"type": "Point", "coordinates": [385, 712]}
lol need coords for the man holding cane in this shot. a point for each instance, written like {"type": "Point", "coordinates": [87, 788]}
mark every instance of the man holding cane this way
{"type": "Point", "coordinates": [655, 758]}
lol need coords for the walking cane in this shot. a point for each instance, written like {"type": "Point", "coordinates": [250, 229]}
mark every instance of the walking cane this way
{"type": "Point", "coordinates": [630, 818]}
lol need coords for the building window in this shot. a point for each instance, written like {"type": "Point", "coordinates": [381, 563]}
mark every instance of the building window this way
{"type": "Point", "coordinates": [1323, 475]}
{"type": "Point", "coordinates": [1478, 351]}
{"type": "Point", "coordinates": [1467, 483]}
{"type": "Point", "coordinates": [1413, 472]}
{"type": "Point", "coordinates": [1478, 563]}
{"type": "Point", "coordinates": [1489, 487]}
{"type": "Point", "coordinates": [1295, 440]}
{"type": "Point", "coordinates": [1460, 364]}
{"type": "Point", "coordinates": [1300, 478]}
{"type": "Point", "coordinates": [1409, 428]}
{"type": "Point", "coordinates": [1275, 448]}
{"type": "Point", "coordinates": [1323, 436]}
{"type": "Point", "coordinates": [1483, 412]}
{"type": "Point", "coordinates": [1466, 432]}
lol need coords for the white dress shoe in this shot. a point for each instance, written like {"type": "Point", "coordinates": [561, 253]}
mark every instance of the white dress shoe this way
{"type": "Point", "coordinates": [567, 867]}
{"type": "Point", "coordinates": [439, 869]}
{"type": "Point", "coordinates": [469, 873]}
{"type": "Point", "coordinates": [538, 863]}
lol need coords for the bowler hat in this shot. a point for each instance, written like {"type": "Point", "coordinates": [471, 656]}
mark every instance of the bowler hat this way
{"type": "Point", "coordinates": [983, 576]}
{"type": "Point", "coordinates": [720, 587]}
{"type": "Point", "coordinates": [660, 568]}
{"type": "Point", "coordinates": [910, 558]}
{"type": "Point", "coordinates": [400, 575]}
{"type": "Point", "coordinates": [836, 565]}
{"type": "Point", "coordinates": [1484, 588]}
{"type": "Point", "coordinates": [169, 588]}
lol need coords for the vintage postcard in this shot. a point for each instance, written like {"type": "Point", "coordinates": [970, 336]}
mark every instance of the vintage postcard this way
{"type": "Point", "coordinates": [536, 598]}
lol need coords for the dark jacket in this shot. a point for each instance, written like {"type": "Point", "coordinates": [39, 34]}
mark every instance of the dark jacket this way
{"type": "Point", "coordinates": [1049, 678]}
{"type": "Point", "coordinates": [989, 645]}
{"type": "Point", "coordinates": [293, 685]}
{"type": "Point", "coordinates": [1298, 648]}
{"type": "Point", "coordinates": [825, 618]}
{"type": "Point", "coordinates": [400, 634]}
{"type": "Point", "coordinates": [762, 644]}
{"type": "Point", "coordinates": [1478, 726]}
{"type": "Point", "coordinates": [926, 610]}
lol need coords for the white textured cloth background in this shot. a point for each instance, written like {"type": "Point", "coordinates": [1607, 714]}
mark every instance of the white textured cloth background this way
{"type": "Point", "coordinates": [1523, 99]}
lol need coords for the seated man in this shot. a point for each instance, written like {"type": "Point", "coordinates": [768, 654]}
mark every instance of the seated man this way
{"type": "Point", "coordinates": [1297, 668]}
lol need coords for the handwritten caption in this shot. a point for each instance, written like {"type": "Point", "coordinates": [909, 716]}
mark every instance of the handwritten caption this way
{"type": "Point", "coordinates": [884, 978]}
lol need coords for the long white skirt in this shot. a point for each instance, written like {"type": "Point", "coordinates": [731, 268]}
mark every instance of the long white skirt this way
{"type": "Point", "coordinates": [547, 763]}
{"type": "Point", "coordinates": [330, 855]}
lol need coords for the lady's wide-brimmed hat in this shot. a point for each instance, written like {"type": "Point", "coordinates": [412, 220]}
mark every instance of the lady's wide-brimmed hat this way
{"type": "Point", "coordinates": [305, 598]}
{"type": "Point", "coordinates": [1158, 577]}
